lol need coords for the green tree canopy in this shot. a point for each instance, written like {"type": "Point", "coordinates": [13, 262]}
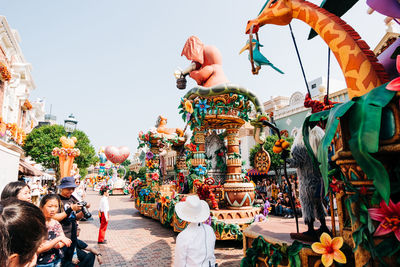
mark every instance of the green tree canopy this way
{"type": "Point", "coordinates": [40, 143]}
{"type": "Point", "coordinates": [276, 161]}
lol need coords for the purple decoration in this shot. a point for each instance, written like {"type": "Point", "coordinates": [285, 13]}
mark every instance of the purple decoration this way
{"type": "Point", "coordinates": [208, 221]}
{"type": "Point", "coordinates": [390, 8]}
{"type": "Point", "coordinates": [267, 205]}
{"type": "Point", "coordinates": [388, 63]}
{"type": "Point", "coordinates": [149, 155]}
{"type": "Point", "coordinates": [188, 116]}
{"type": "Point", "coordinates": [259, 218]}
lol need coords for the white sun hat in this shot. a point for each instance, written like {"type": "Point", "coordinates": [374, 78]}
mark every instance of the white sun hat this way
{"type": "Point", "coordinates": [193, 210]}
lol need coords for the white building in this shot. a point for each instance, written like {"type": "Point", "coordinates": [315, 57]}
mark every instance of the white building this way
{"type": "Point", "coordinates": [16, 84]}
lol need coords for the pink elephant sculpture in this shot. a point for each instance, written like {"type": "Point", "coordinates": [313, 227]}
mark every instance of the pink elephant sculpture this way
{"type": "Point", "coordinates": [208, 60]}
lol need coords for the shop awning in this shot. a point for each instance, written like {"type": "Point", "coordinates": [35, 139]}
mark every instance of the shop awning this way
{"type": "Point", "coordinates": [254, 172]}
{"type": "Point", "coordinates": [28, 170]}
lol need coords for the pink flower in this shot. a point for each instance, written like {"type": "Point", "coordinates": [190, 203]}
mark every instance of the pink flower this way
{"type": "Point", "coordinates": [394, 85]}
{"type": "Point", "coordinates": [389, 218]}
{"type": "Point", "coordinates": [155, 177]}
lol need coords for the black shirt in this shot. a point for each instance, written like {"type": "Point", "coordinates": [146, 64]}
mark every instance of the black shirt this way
{"type": "Point", "coordinates": [69, 224]}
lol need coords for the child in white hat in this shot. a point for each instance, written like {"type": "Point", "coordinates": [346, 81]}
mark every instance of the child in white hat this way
{"type": "Point", "coordinates": [194, 245]}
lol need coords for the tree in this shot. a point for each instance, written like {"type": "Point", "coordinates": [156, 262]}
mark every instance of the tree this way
{"type": "Point", "coordinates": [40, 143]}
{"type": "Point", "coordinates": [126, 163]}
{"type": "Point", "coordinates": [276, 161]}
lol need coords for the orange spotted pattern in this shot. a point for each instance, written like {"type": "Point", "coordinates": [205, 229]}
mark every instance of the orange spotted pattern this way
{"type": "Point", "coordinates": [361, 70]}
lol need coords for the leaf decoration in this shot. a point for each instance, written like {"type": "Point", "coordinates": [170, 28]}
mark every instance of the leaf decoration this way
{"type": "Point", "coordinates": [330, 130]}
{"type": "Point", "coordinates": [365, 124]}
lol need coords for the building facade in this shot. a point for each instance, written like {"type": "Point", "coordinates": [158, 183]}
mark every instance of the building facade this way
{"type": "Point", "coordinates": [18, 116]}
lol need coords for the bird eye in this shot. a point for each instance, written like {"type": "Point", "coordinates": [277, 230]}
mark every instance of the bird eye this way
{"type": "Point", "coordinates": [273, 3]}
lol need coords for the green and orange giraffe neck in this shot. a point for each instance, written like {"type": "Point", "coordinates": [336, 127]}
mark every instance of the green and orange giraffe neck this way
{"type": "Point", "coordinates": [361, 70]}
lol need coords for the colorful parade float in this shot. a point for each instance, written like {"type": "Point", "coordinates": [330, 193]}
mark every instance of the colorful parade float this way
{"type": "Point", "coordinates": [209, 163]}
{"type": "Point", "coordinates": [358, 155]}
{"type": "Point", "coordinates": [110, 170]}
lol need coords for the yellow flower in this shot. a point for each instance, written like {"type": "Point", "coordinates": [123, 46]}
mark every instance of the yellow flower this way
{"type": "Point", "coordinates": [189, 106]}
{"type": "Point", "coordinates": [330, 249]}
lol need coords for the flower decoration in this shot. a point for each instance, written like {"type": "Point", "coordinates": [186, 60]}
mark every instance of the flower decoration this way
{"type": "Point", "coordinates": [137, 182]}
{"type": "Point", "coordinates": [144, 192]}
{"type": "Point", "coordinates": [5, 74]}
{"type": "Point", "coordinates": [149, 155]}
{"type": "Point", "coordinates": [330, 249]}
{"type": "Point", "coordinates": [389, 218]}
{"type": "Point", "coordinates": [202, 106]}
{"type": "Point", "coordinates": [27, 105]}
{"type": "Point", "coordinates": [65, 152]}
{"type": "Point", "coordinates": [336, 186]}
{"type": "Point", "coordinates": [394, 85]}
{"type": "Point", "coordinates": [188, 116]}
{"type": "Point", "coordinates": [200, 170]}
{"type": "Point", "coordinates": [155, 177]}
{"type": "Point", "coordinates": [192, 147]}
{"type": "Point", "coordinates": [163, 200]}
{"type": "Point", "coordinates": [363, 190]}
{"type": "Point", "coordinates": [105, 188]}
{"type": "Point", "coordinates": [209, 181]}
{"type": "Point", "coordinates": [189, 106]}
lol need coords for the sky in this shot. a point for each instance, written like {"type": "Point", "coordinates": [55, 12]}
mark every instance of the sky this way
{"type": "Point", "coordinates": [111, 62]}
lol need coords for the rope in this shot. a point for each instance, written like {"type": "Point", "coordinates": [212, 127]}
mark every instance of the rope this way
{"type": "Point", "coordinates": [329, 70]}
{"type": "Point", "coordinates": [298, 56]}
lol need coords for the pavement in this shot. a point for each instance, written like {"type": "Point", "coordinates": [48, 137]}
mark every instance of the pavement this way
{"type": "Point", "coordinates": [135, 240]}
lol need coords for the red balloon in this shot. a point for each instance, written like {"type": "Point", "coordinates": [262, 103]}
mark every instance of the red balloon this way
{"type": "Point", "coordinates": [117, 155]}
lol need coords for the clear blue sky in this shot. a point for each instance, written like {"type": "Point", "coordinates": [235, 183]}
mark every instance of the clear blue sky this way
{"type": "Point", "coordinates": [111, 62]}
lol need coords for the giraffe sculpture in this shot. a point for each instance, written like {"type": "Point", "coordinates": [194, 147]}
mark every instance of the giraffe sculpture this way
{"type": "Point", "coordinates": [361, 70]}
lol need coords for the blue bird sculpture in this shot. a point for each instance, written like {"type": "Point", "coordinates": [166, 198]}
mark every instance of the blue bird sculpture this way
{"type": "Point", "coordinates": [258, 58]}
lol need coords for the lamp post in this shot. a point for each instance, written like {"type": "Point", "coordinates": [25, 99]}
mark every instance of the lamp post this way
{"type": "Point", "coordinates": [67, 153]}
{"type": "Point", "coordinates": [70, 124]}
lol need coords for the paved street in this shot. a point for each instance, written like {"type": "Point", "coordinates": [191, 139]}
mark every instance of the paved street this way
{"type": "Point", "coordinates": [135, 240]}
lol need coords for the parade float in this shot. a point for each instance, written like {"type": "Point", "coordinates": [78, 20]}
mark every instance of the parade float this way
{"type": "Point", "coordinates": [116, 156]}
{"type": "Point", "coordinates": [214, 111]}
{"type": "Point", "coordinates": [358, 155]}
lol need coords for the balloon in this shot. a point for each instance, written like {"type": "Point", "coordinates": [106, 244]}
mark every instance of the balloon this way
{"type": "Point", "coordinates": [117, 155]}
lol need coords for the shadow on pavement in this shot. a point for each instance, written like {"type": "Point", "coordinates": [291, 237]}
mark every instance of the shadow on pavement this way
{"type": "Point", "coordinates": [155, 254]}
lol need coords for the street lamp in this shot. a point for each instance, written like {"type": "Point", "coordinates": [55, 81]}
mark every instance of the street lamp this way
{"type": "Point", "coordinates": [67, 152]}
{"type": "Point", "coordinates": [70, 124]}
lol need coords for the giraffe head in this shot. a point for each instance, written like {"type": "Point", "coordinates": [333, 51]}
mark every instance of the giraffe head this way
{"type": "Point", "coordinates": [278, 12]}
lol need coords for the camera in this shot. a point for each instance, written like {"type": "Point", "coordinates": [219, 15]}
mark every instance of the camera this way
{"type": "Point", "coordinates": [85, 211]}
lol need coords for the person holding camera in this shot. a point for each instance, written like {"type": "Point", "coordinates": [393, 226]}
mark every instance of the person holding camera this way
{"type": "Point", "coordinates": [70, 211]}
{"type": "Point", "coordinates": [103, 213]}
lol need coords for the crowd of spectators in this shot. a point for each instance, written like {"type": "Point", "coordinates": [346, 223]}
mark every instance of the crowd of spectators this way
{"type": "Point", "coordinates": [278, 193]}
{"type": "Point", "coordinates": [42, 229]}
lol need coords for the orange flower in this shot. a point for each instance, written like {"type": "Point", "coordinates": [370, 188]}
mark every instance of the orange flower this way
{"type": "Point", "coordinates": [189, 106]}
{"type": "Point", "coordinates": [330, 249]}
{"type": "Point", "coordinates": [163, 200]}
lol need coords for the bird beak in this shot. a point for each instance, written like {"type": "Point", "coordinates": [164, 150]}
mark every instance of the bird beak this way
{"type": "Point", "coordinates": [246, 47]}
